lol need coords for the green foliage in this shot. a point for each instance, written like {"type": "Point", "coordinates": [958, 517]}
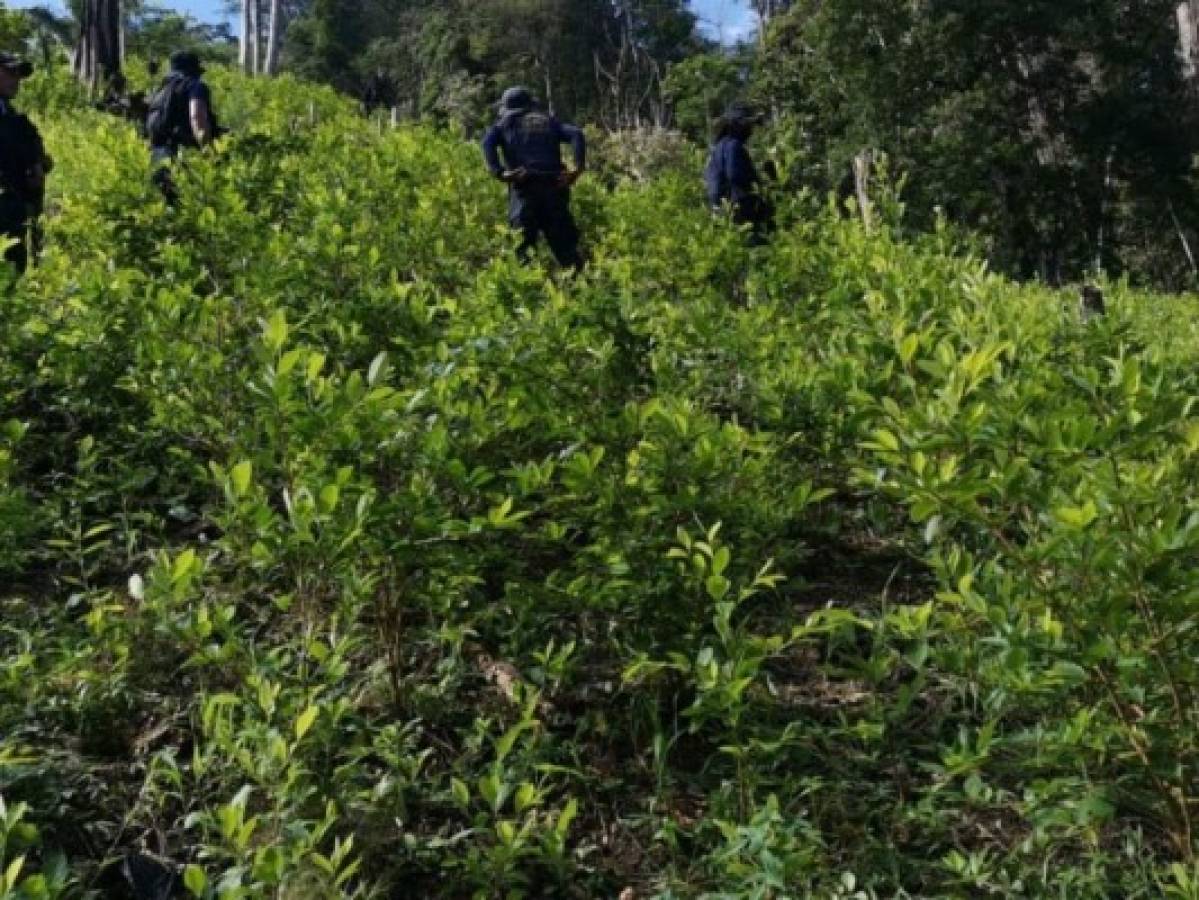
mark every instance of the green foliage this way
{"type": "Point", "coordinates": [15, 29]}
{"type": "Point", "coordinates": [155, 33]}
{"type": "Point", "coordinates": [450, 60]}
{"type": "Point", "coordinates": [701, 87]}
{"type": "Point", "coordinates": [343, 556]}
{"type": "Point", "coordinates": [18, 840]}
{"type": "Point", "coordinates": [1062, 132]}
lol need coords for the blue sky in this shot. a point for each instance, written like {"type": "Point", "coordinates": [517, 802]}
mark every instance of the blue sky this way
{"type": "Point", "coordinates": [727, 19]}
{"type": "Point", "coordinates": [730, 20]}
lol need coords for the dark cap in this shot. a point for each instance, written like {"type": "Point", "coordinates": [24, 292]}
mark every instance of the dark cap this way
{"type": "Point", "coordinates": [186, 62]}
{"type": "Point", "coordinates": [516, 99]}
{"type": "Point", "coordinates": [22, 68]}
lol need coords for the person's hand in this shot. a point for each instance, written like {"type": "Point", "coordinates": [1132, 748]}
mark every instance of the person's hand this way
{"type": "Point", "coordinates": [568, 178]}
{"type": "Point", "coordinates": [514, 176]}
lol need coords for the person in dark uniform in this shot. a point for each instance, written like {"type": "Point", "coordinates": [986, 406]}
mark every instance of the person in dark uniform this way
{"type": "Point", "coordinates": [180, 116]}
{"type": "Point", "coordinates": [530, 141]}
{"type": "Point", "coordinates": [731, 180]}
{"type": "Point", "coordinates": [24, 165]}
{"type": "Point", "coordinates": [378, 93]}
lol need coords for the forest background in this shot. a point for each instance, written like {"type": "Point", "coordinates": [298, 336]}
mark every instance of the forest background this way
{"type": "Point", "coordinates": [1062, 135]}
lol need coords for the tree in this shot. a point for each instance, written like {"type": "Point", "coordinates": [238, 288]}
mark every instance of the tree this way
{"type": "Point", "coordinates": [1025, 121]}
{"type": "Point", "coordinates": [1187, 14]}
{"type": "Point", "coordinates": [274, 36]}
{"type": "Point", "coordinates": [16, 27]}
{"type": "Point", "coordinates": [767, 10]}
{"type": "Point", "coordinates": [247, 37]}
{"type": "Point", "coordinates": [98, 53]}
{"type": "Point", "coordinates": [701, 87]}
{"type": "Point", "coordinates": [586, 58]}
{"type": "Point", "coordinates": [155, 33]}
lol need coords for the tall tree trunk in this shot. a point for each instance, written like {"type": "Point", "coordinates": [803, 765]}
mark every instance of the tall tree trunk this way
{"type": "Point", "coordinates": [1188, 39]}
{"type": "Point", "coordinates": [98, 55]}
{"type": "Point", "coordinates": [243, 56]}
{"type": "Point", "coordinates": [767, 10]}
{"type": "Point", "coordinates": [255, 38]}
{"type": "Point", "coordinates": [274, 36]}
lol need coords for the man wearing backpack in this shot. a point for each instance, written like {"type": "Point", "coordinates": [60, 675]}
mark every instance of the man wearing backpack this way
{"type": "Point", "coordinates": [730, 178]}
{"type": "Point", "coordinates": [180, 116]}
{"type": "Point", "coordinates": [24, 165]}
{"type": "Point", "coordinates": [530, 142]}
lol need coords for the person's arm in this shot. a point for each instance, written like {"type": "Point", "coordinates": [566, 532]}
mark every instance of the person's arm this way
{"type": "Point", "coordinates": [491, 151]}
{"type": "Point", "coordinates": [573, 135]}
{"type": "Point", "coordinates": [36, 174]}
{"type": "Point", "coordinates": [493, 142]}
{"type": "Point", "coordinates": [200, 122]}
{"type": "Point", "coordinates": [199, 112]}
{"type": "Point", "coordinates": [714, 176]}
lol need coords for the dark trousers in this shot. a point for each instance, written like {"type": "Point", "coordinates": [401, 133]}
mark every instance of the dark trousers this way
{"type": "Point", "coordinates": [541, 207]}
{"type": "Point", "coordinates": [755, 210]}
{"type": "Point", "coordinates": [18, 254]}
{"type": "Point", "coordinates": [14, 224]}
{"type": "Point", "coordinates": [161, 159]}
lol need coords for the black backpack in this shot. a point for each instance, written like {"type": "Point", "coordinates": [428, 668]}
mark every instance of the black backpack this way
{"type": "Point", "coordinates": [167, 120]}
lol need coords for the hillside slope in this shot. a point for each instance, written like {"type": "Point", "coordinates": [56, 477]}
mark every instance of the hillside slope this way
{"type": "Point", "coordinates": [341, 556]}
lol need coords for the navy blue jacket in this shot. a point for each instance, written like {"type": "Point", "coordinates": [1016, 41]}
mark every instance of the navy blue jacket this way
{"type": "Point", "coordinates": [533, 141]}
{"type": "Point", "coordinates": [730, 174]}
{"type": "Point", "coordinates": [21, 150]}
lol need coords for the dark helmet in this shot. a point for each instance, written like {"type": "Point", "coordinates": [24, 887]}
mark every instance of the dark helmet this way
{"type": "Point", "coordinates": [186, 62]}
{"type": "Point", "coordinates": [12, 63]}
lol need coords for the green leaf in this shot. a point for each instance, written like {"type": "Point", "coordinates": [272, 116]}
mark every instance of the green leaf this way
{"type": "Point", "coordinates": [506, 832]}
{"type": "Point", "coordinates": [1077, 517]}
{"type": "Point", "coordinates": [460, 792]}
{"type": "Point", "coordinates": [566, 818]}
{"type": "Point", "coordinates": [240, 476]}
{"type": "Point", "coordinates": [13, 872]}
{"type": "Point", "coordinates": [378, 369]}
{"type": "Point", "coordinates": [717, 586]}
{"type": "Point", "coordinates": [275, 331]}
{"type": "Point", "coordinates": [195, 880]}
{"type": "Point", "coordinates": [886, 440]}
{"type": "Point", "coordinates": [526, 796]}
{"type": "Point", "coordinates": [316, 362]}
{"type": "Point", "coordinates": [329, 496]}
{"type": "Point", "coordinates": [508, 740]}
{"type": "Point", "coordinates": [185, 562]}
{"type": "Point", "coordinates": [289, 361]}
{"type": "Point", "coordinates": [305, 722]}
